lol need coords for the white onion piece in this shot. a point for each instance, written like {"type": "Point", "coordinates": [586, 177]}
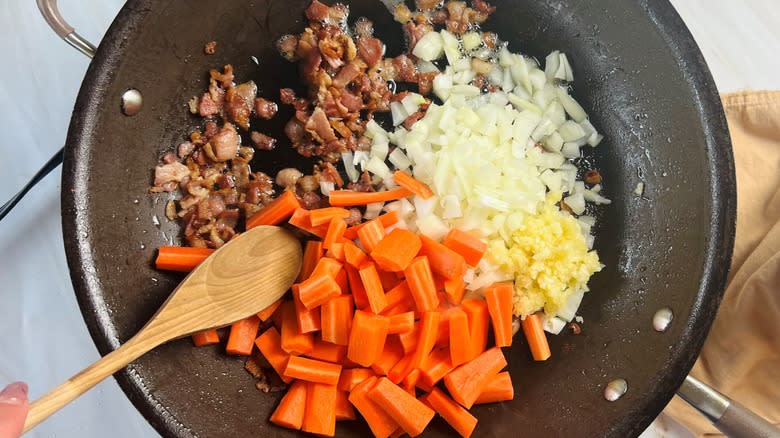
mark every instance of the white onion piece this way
{"type": "Point", "coordinates": [538, 79]}
{"type": "Point", "coordinates": [399, 159]}
{"type": "Point", "coordinates": [379, 147]}
{"type": "Point", "coordinates": [373, 210]}
{"type": "Point", "coordinates": [378, 168]}
{"type": "Point", "coordinates": [432, 227]}
{"type": "Point", "coordinates": [595, 198]}
{"type": "Point", "coordinates": [451, 207]}
{"type": "Point", "coordinates": [573, 109]}
{"type": "Point", "coordinates": [569, 74]}
{"type": "Point", "coordinates": [373, 128]}
{"type": "Point", "coordinates": [569, 310]}
{"type": "Point", "coordinates": [570, 150]}
{"type": "Point", "coordinates": [349, 166]}
{"type": "Point", "coordinates": [426, 66]}
{"type": "Point", "coordinates": [465, 90]}
{"type": "Point", "coordinates": [451, 46]}
{"type": "Point", "coordinates": [505, 57]}
{"type": "Point", "coordinates": [520, 74]}
{"type": "Point", "coordinates": [398, 112]}
{"type": "Point", "coordinates": [412, 102]}
{"type": "Point", "coordinates": [442, 86]}
{"type": "Point", "coordinates": [424, 207]}
{"type": "Point", "coordinates": [576, 202]}
{"type": "Point", "coordinates": [471, 41]}
{"type": "Point", "coordinates": [571, 131]}
{"type": "Point", "coordinates": [326, 187]}
{"type": "Point", "coordinates": [551, 64]}
{"type": "Point", "coordinates": [361, 159]}
{"type": "Point", "coordinates": [552, 324]}
{"type": "Point", "coordinates": [430, 47]}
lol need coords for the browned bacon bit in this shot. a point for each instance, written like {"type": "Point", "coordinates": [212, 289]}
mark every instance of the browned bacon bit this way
{"type": "Point", "coordinates": [363, 184]}
{"type": "Point", "coordinates": [311, 200]}
{"type": "Point", "coordinates": [210, 48]}
{"type": "Point", "coordinates": [427, 5]}
{"type": "Point", "coordinates": [287, 45]}
{"type": "Point", "coordinates": [575, 328]}
{"type": "Point", "coordinates": [483, 7]}
{"type": "Point", "coordinates": [223, 145]}
{"type": "Point", "coordinates": [239, 103]}
{"type": "Point", "coordinates": [592, 177]}
{"type": "Point", "coordinates": [401, 13]}
{"type": "Point", "coordinates": [412, 119]}
{"type": "Point", "coordinates": [329, 173]}
{"type": "Point", "coordinates": [319, 127]}
{"type": "Point", "coordinates": [225, 78]}
{"type": "Point", "coordinates": [354, 217]}
{"type": "Point", "coordinates": [347, 74]}
{"type": "Point", "coordinates": [262, 142]}
{"type": "Point", "coordinates": [439, 16]}
{"type": "Point", "coordinates": [364, 27]}
{"type": "Point", "coordinates": [370, 50]}
{"type": "Point", "coordinates": [407, 71]}
{"type": "Point", "coordinates": [425, 82]}
{"type": "Point", "coordinates": [317, 11]}
{"type": "Point", "coordinates": [414, 32]}
{"type": "Point", "coordinates": [287, 96]}
{"type": "Point", "coordinates": [288, 177]}
{"type": "Point", "coordinates": [265, 108]}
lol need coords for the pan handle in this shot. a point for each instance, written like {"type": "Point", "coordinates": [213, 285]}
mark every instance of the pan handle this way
{"type": "Point", "coordinates": [61, 27]}
{"type": "Point", "coordinates": [729, 416]}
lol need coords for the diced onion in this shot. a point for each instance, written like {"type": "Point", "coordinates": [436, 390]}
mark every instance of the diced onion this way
{"type": "Point", "coordinates": [373, 210]}
{"type": "Point", "coordinates": [471, 41]}
{"type": "Point", "coordinates": [576, 202]}
{"type": "Point", "coordinates": [430, 47]}
{"type": "Point", "coordinates": [326, 187]}
{"type": "Point", "coordinates": [378, 168]}
{"type": "Point", "coordinates": [573, 109]}
{"type": "Point", "coordinates": [398, 112]}
{"type": "Point", "coordinates": [399, 159]}
{"type": "Point", "coordinates": [432, 227]}
{"type": "Point", "coordinates": [569, 310]}
{"type": "Point", "coordinates": [553, 324]}
{"type": "Point", "coordinates": [349, 166]}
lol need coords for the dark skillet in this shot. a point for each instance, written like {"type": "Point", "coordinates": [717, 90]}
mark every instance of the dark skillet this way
{"type": "Point", "coordinates": [640, 76]}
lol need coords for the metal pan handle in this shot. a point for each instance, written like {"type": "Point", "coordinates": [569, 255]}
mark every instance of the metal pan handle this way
{"type": "Point", "coordinates": [729, 416]}
{"type": "Point", "coordinates": [61, 27]}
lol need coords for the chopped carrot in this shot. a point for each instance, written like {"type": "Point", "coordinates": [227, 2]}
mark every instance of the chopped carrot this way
{"type": "Point", "coordinates": [411, 414]}
{"type": "Point", "coordinates": [291, 409]}
{"type": "Point", "coordinates": [438, 283]}
{"type": "Point", "coordinates": [293, 340]}
{"type": "Point", "coordinates": [470, 247]}
{"type": "Point", "coordinates": [460, 343]}
{"type": "Point", "coordinates": [318, 289]}
{"type": "Point", "coordinates": [399, 294]}
{"type": "Point", "coordinates": [266, 313]}
{"type": "Point", "coordinates": [335, 233]}
{"type": "Point", "coordinates": [367, 338]}
{"type": "Point", "coordinates": [336, 251]}
{"type": "Point", "coordinates": [373, 287]}
{"type": "Point", "coordinates": [436, 366]}
{"type": "Point", "coordinates": [336, 318]}
{"type": "Point", "coordinates": [344, 409]}
{"type": "Point", "coordinates": [396, 250]}
{"type": "Point", "coordinates": [428, 328]}
{"type": "Point", "coordinates": [388, 279]}
{"type": "Point", "coordinates": [391, 355]}
{"type": "Point", "coordinates": [408, 182]}
{"type": "Point", "coordinates": [410, 339]}
{"type": "Point", "coordinates": [344, 198]}
{"type": "Point", "coordinates": [352, 377]}
{"type": "Point", "coordinates": [459, 418]}
{"type": "Point", "coordinates": [499, 389]}
{"type": "Point", "coordinates": [180, 258]}
{"type": "Point", "coordinates": [206, 337]}
{"type": "Point", "coordinates": [387, 219]}
{"type": "Point", "coordinates": [279, 210]}
{"type": "Point", "coordinates": [499, 302]}
{"type": "Point", "coordinates": [343, 282]}
{"type": "Point", "coordinates": [312, 254]}
{"type": "Point", "coordinates": [466, 382]}
{"type": "Point", "coordinates": [327, 351]}
{"type": "Point", "coordinates": [401, 369]}
{"type": "Point", "coordinates": [322, 216]}
{"type": "Point", "coordinates": [356, 286]}
{"type": "Point", "coordinates": [401, 323]}
{"type": "Point", "coordinates": [270, 345]}
{"type": "Point", "coordinates": [326, 266]}
{"type": "Point", "coordinates": [380, 423]}
{"type": "Point", "coordinates": [370, 234]}
{"type": "Point", "coordinates": [403, 307]}
{"type": "Point", "coordinates": [443, 331]}
{"type": "Point", "coordinates": [353, 255]}
{"type": "Point", "coordinates": [479, 319]}
{"type": "Point", "coordinates": [410, 382]}
{"type": "Point", "coordinates": [308, 319]}
{"type": "Point", "coordinates": [423, 384]}
{"type": "Point", "coordinates": [242, 336]}
{"type": "Point", "coordinates": [301, 219]}
{"type": "Point", "coordinates": [320, 417]}
{"type": "Point", "coordinates": [312, 370]}
{"type": "Point", "coordinates": [420, 281]}
{"type": "Point", "coordinates": [454, 289]}
{"type": "Point", "coordinates": [537, 340]}
{"type": "Point", "coordinates": [398, 433]}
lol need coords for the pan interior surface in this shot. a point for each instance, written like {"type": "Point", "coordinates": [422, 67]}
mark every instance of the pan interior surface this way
{"type": "Point", "coordinates": [639, 75]}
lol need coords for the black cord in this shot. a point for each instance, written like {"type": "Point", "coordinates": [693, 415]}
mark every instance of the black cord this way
{"type": "Point", "coordinates": [50, 165]}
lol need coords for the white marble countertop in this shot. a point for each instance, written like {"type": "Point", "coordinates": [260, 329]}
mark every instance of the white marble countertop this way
{"type": "Point", "coordinates": [44, 339]}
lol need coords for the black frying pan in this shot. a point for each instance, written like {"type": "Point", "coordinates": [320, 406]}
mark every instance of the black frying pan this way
{"type": "Point", "coordinates": [640, 76]}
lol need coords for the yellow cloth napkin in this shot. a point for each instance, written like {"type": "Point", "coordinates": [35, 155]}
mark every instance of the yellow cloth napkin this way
{"type": "Point", "coordinates": [741, 357]}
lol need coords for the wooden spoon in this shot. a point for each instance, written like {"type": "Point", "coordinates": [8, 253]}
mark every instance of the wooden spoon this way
{"type": "Point", "coordinates": [240, 279]}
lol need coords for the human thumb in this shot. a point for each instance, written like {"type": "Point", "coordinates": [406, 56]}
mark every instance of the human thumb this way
{"type": "Point", "coordinates": [13, 409]}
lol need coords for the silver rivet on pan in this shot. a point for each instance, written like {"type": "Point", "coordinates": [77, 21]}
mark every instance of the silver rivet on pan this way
{"type": "Point", "coordinates": [615, 389]}
{"type": "Point", "coordinates": [131, 102]}
{"type": "Point", "coordinates": [662, 319]}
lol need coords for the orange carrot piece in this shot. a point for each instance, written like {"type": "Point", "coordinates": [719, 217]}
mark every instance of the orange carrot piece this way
{"type": "Point", "coordinates": [408, 182]}
{"type": "Point", "coordinates": [455, 288]}
{"type": "Point", "coordinates": [391, 355]}
{"type": "Point", "coordinates": [336, 251]}
{"type": "Point", "coordinates": [312, 254]}
{"type": "Point", "coordinates": [291, 409]}
{"type": "Point", "coordinates": [470, 247]}
{"type": "Point", "coordinates": [322, 216]}
{"type": "Point", "coordinates": [308, 320]}
{"type": "Point", "coordinates": [406, 306]}
{"type": "Point", "coordinates": [436, 366]}
{"type": "Point", "coordinates": [206, 337]}
{"type": "Point", "coordinates": [399, 294]}
{"type": "Point", "coordinates": [411, 414]}
{"type": "Point", "coordinates": [293, 340]}
{"type": "Point", "coordinates": [388, 279]}
{"type": "Point", "coordinates": [268, 311]}
{"type": "Point", "coordinates": [312, 370]}
{"type": "Point", "coordinates": [353, 255]}
{"type": "Point", "coordinates": [242, 336]}
{"type": "Point", "coordinates": [499, 301]}
{"type": "Point", "coordinates": [428, 328]}
{"type": "Point", "coordinates": [459, 338]}
{"type": "Point", "coordinates": [343, 282]}
{"type": "Point", "coordinates": [301, 219]}
{"type": "Point", "coordinates": [370, 234]}
{"type": "Point", "coordinates": [344, 409]}
{"type": "Point", "coordinates": [336, 315]}
{"type": "Point", "coordinates": [381, 424]}
{"type": "Point", "coordinates": [345, 198]}
{"type": "Point", "coordinates": [402, 369]}
{"type": "Point", "coordinates": [387, 219]}
{"type": "Point", "coordinates": [466, 382]}
{"type": "Point", "coordinates": [279, 210]}
{"type": "Point", "coordinates": [320, 417]}
{"type": "Point", "coordinates": [497, 390]}
{"type": "Point", "coordinates": [479, 319]}
{"type": "Point", "coordinates": [326, 266]}
{"type": "Point", "coordinates": [420, 281]}
{"type": "Point", "coordinates": [318, 289]}
{"type": "Point", "coordinates": [401, 323]}
{"type": "Point", "coordinates": [356, 287]}
{"type": "Point", "coordinates": [410, 339]}
{"type": "Point", "coordinates": [537, 339]}
{"type": "Point", "coordinates": [410, 382]}
{"type": "Point", "coordinates": [180, 258]}
{"type": "Point", "coordinates": [328, 352]}
{"type": "Point", "coordinates": [460, 419]}
{"type": "Point", "coordinates": [352, 377]}
{"type": "Point", "coordinates": [270, 345]}
{"type": "Point", "coordinates": [373, 287]}
{"type": "Point", "coordinates": [367, 338]}
{"type": "Point", "coordinates": [443, 331]}
{"type": "Point", "coordinates": [396, 250]}
{"type": "Point", "coordinates": [335, 233]}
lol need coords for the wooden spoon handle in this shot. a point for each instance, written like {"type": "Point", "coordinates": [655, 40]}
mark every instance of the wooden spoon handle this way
{"type": "Point", "coordinates": [60, 396]}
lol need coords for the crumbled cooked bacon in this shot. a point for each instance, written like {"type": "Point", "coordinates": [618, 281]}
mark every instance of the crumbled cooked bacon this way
{"type": "Point", "coordinates": [311, 200]}
{"type": "Point", "coordinates": [210, 48]}
{"type": "Point", "coordinates": [364, 27]}
{"type": "Point", "coordinates": [224, 144]}
{"type": "Point", "coordinates": [171, 172]}
{"type": "Point", "coordinates": [370, 50]}
{"type": "Point", "coordinates": [239, 103]}
{"type": "Point", "coordinates": [208, 107]}
{"type": "Point", "coordinates": [427, 5]}
{"type": "Point", "coordinates": [354, 218]}
{"type": "Point", "coordinates": [319, 127]}
{"type": "Point", "coordinates": [407, 72]}
{"type": "Point", "coordinates": [414, 32]}
{"type": "Point", "coordinates": [262, 141]}
{"type": "Point", "coordinates": [287, 96]}
{"type": "Point", "coordinates": [287, 46]}
{"type": "Point", "coordinates": [483, 7]}
{"type": "Point", "coordinates": [265, 108]}
{"type": "Point", "coordinates": [185, 149]}
{"type": "Point", "coordinates": [224, 78]}
{"type": "Point", "coordinates": [425, 82]}
{"type": "Point", "coordinates": [346, 75]}
{"type": "Point", "coordinates": [317, 11]}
